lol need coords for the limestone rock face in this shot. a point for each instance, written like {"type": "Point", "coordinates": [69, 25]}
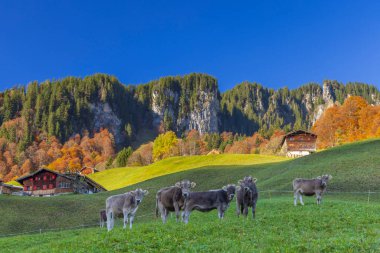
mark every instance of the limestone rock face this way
{"type": "Point", "coordinates": [203, 115]}
{"type": "Point", "coordinates": [105, 117]}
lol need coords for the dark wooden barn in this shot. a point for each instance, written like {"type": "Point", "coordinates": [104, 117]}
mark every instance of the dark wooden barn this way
{"type": "Point", "coordinates": [10, 189]}
{"type": "Point", "coordinates": [46, 182]}
{"type": "Point", "coordinates": [298, 143]}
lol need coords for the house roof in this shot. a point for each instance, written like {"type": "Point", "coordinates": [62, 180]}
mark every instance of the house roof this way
{"type": "Point", "coordinates": [70, 176]}
{"type": "Point", "coordinates": [90, 181]}
{"type": "Point", "coordinates": [20, 179]}
{"type": "Point", "coordinates": [299, 132]}
{"type": "Point", "coordinates": [296, 132]}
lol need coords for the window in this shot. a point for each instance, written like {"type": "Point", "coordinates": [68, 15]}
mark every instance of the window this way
{"type": "Point", "coordinates": [64, 185]}
{"type": "Point", "coordinates": [45, 177]}
{"type": "Point", "coordinates": [50, 186]}
{"type": "Point", "coordinates": [44, 187]}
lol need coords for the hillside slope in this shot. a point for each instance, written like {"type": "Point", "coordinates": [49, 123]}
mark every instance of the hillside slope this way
{"type": "Point", "coordinates": [122, 177]}
{"type": "Point", "coordinates": [355, 167]}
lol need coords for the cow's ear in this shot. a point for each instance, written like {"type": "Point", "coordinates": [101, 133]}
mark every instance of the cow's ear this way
{"type": "Point", "coordinates": [319, 177]}
{"type": "Point", "coordinates": [146, 192]}
{"type": "Point", "coordinates": [178, 184]}
{"type": "Point", "coordinates": [193, 184]}
{"type": "Point", "coordinates": [247, 188]}
{"type": "Point", "coordinates": [224, 188]}
{"type": "Point", "coordinates": [254, 180]}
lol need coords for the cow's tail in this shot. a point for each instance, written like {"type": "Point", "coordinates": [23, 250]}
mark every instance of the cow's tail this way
{"type": "Point", "coordinates": [157, 206]}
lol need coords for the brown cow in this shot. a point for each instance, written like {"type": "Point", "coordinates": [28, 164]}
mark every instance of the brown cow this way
{"type": "Point", "coordinates": [246, 196]}
{"type": "Point", "coordinates": [126, 204]}
{"type": "Point", "coordinates": [309, 187]}
{"type": "Point", "coordinates": [172, 199]}
{"type": "Point", "coordinates": [209, 200]}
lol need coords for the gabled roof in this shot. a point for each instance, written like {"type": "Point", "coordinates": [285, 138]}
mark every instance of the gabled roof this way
{"type": "Point", "coordinates": [90, 181]}
{"type": "Point", "coordinates": [20, 179]}
{"type": "Point", "coordinates": [296, 132]}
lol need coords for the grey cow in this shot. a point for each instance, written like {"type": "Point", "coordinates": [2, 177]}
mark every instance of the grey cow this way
{"type": "Point", "coordinates": [309, 187]}
{"type": "Point", "coordinates": [209, 200]}
{"type": "Point", "coordinates": [246, 196]}
{"type": "Point", "coordinates": [172, 199]}
{"type": "Point", "coordinates": [126, 204]}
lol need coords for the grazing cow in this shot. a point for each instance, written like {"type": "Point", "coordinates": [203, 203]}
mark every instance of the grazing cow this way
{"type": "Point", "coordinates": [246, 196]}
{"type": "Point", "coordinates": [309, 187]}
{"type": "Point", "coordinates": [126, 204]}
{"type": "Point", "coordinates": [172, 199]}
{"type": "Point", "coordinates": [210, 200]}
{"type": "Point", "coordinates": [103, 217]}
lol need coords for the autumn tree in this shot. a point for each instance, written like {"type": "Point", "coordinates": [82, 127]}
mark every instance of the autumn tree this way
{"type": "Point", "coordinates": [163, 145]}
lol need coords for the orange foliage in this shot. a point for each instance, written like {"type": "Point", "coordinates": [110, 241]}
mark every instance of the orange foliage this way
{"type": "Point", "coordinates": [354, 120]}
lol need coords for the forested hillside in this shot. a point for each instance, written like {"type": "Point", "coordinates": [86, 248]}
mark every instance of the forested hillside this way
{"type": "Point", "coordinates": [44, 116]}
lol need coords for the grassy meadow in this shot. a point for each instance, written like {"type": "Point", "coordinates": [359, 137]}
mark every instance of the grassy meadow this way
{"type": "Point", "coordinates": [345, 222]}
{"type": "Point", "coordinates": [335, 226]}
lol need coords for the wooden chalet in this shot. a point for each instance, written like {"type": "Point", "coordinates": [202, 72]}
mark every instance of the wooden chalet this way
{"type": "Point", "coordinates": [10, 189]}
{"type": "Point", "coordinates": [46, 182]}
{"type": "Point", "coordinates": [298, 143]}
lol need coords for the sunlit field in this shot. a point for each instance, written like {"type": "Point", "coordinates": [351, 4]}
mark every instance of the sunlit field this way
{"type": "Point", "coordinates": [335, 226]}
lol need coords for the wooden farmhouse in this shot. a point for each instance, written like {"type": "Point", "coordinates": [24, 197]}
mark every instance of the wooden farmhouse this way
{"type": "Point", "coordinates": [45, 182]}
{"type": "Point", "coordinates": [10, 189]}
{"type": "Point", "coordinates": [298, 143]}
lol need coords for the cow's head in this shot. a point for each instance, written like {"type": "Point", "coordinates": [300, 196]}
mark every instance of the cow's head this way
{"type": "Point", "coordinates": [139, 195]}
{"type": "Point", "coordinates": [230, 189]}
{"type": "Point", "coordinates": [185, 186]}
{"type": "Point", "coordinates": [246, 183]}
{"type": "Point", "coordinates": [324, 179]}
{"type": "Point", "coordinates": [249, 179]}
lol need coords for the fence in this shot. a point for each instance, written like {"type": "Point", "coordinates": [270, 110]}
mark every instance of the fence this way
{"type": "Point", "coordinates": [262, 194]}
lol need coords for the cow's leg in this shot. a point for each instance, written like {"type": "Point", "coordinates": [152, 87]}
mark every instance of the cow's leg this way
{"type": "Point", "coordinates": [220, 213]}
{"type": "Point", "coordinates": [125, 216]}
{"type": "Point", "coordinates": [177, 211]}
{"type": "Point", "coordinates": [109, 220]}
{"type": "Point", "coordinates": [164, 214]}
{"type": "Point", "coordinates": [319, 197]}
{"type": "Point", "coordinates": [300, 196]}
{"type": "Point", "coordinates": [245, 211]}
{"type": "Point", "coordinates": [237, 209]}
{"type": "Point", "coordinates": [186, 214]}
{"type": "Point", "coordinates": [295, 198]}
{"type": "Point", "coordinates": [131, 218]}
{"type": "Point", "coordinates": [254, 209]}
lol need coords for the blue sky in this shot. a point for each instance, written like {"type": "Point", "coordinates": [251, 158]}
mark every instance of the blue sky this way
{"type": "Point", "coordinates": [275, 43]}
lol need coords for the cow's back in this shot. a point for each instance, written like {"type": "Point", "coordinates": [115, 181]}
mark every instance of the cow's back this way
{"type": "Point", "coordinates": [116, 202]}
{"type": "Point", "coordinates": [306, 186]}
{"type": "Point", "coordinates": [167, 196]}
